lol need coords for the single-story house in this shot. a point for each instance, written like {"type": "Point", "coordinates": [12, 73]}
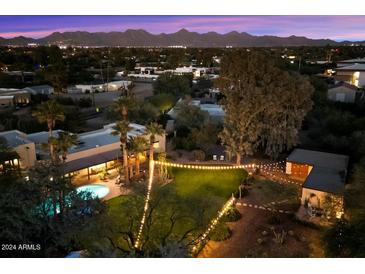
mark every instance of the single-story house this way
{"type": "Point", "coordinates": [350, 62]}
{"type": "Point", "coordinates": [353, 74]}
{"type": "Point", "coordinates": [14, 97]}
{"type": "Point", "coordinates": [42, 89]}
{"type": "Point", "coordinates": [214, 111]}
{"type": "Point", "coordinates": [25, 148]}
{"type": "Point", "coordinates": [110, 86]}
{"type": "Point", "coordinates": [323, 175]}
{"type": "Point", "coordinates": [95, 150]}
{"type": "Point", "coordinates": [344, 92]}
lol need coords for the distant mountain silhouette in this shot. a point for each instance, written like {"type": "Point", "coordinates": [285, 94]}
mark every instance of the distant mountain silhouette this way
{"type": "Point", "coordinates": [142, 38]}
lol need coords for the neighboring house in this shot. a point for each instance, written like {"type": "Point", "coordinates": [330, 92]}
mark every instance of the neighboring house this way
{"type": "Point", "coordinates": [323, 175]}
{"type": "Point", "coordinates": [353, 74]}
{"type": "Point", "coordinates": [95, 150]}
{"type": "Point", "coordinates": [344, 92]}
{"type": "Point", "coordinates": [117, 85]}
{"type": "Point", "coordinates": [350, 62]}
{"type": "Point", "coordinates": [43, 89]}
{"type": "Point", "coordinates": [14, 97]}
{"type": "Point", "coordinates": [110, 86]}
{"type": "Point", "coordinates": [215, 112]}
{"type": "Point", "coordinates": [25, 148]}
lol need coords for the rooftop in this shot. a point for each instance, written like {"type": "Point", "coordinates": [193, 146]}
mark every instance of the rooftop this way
{"type": "Point", "coordinates": [326, 180]}
{"type": "Point", "coordinates": [355, 67]}
{"type": "Point", "coordinates": [42, 136]}
{"type": "Point", "coordinates": [355, 60]}
{"type": "Point", "coordinates": [103, 137]}
{"type": "Point", "coordinates": [342, 84]}
{"type": "Point", "coordinates": [319, 159]}
{"type": "Point", "coordinates": [15, 138]}
{"type": "Point", "coordinates": [328, 172]}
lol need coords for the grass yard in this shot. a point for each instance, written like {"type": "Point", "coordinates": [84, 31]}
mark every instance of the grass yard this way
{"type": "Point", "coordinates": [190, 202]}
{"type": "Point", "coordinates": [266, 192]}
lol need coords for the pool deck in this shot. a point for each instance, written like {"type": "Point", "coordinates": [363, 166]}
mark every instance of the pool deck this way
{"type": "Point", "coordinates": [115, 189]}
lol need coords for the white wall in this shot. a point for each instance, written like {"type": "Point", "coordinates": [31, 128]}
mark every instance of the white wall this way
{"type": "Point", "coordinates": [27, 155]}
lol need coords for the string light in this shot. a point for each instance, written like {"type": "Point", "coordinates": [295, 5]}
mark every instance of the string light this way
{"type": "Point", "coordinates": [214, 222]}
{"type": "Point", "coordinates": [146, 203]}
{"type": "Point", "coordinates": [205, 167]}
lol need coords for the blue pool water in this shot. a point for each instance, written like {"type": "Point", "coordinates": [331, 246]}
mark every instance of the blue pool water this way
{"type": "Point", "coordinates": [96, 190]}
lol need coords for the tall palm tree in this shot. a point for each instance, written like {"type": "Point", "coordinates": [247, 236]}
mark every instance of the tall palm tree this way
{"type": "Point", "coordinates": [153, 129]}
{"type": "Point", "coordinates": [123, 105]}
{"type": "Point", "coordinates": [64, 141]}
{"type": "Point", "coordinates": [121, 129]}
{"type": "Point", "coordinates": [137, 145]}
{"type": "Point", "coordinates": [49, 112]}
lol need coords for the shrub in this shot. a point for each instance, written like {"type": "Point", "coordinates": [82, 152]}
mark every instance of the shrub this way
{"type": "Point", "coordinates": [232, 215]}
{"type": "Point", "coordinates": [220, 233]}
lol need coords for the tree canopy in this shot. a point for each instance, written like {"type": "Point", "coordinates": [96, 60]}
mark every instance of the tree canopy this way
{"type": "Point", "coordinates": [264, 105]}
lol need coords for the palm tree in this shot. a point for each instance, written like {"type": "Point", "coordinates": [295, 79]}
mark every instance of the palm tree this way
{"type": "Point", "coordinates": [121, 128]}
{"type": "Point", "coordinates": [49, 112]}
{"type": "Point", "coordinates": [153, 129]}
{"type": "Point", "coordinates": [123, 105]}
{"type": "Point", "coordinates": [138, 145]}
{"type": "Point", "coordinates": [64, 141]}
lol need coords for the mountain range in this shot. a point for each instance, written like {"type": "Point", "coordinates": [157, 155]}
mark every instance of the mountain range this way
{"type": "Point", "coordinates": [183, 37]}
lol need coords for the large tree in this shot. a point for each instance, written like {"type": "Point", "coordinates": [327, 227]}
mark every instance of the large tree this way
{"type": "Point", "coordinates": [123, 105]}
{"type": "Point", "coordinates": [153, 129]}
{"type": "Point", "coordinates": [121, 129]}
{"type": "Point", "coordinates": [62, 144]}
{"type": "Point", "coordinates": [50, 112]}
{"type": "Point", "coordinates": [137, 145]}
{"type": "Point", "coordinates": [264, 105]}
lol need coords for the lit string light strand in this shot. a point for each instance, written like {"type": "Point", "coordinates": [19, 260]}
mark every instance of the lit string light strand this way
{"type": "Point", "coordinates": [146, 204]}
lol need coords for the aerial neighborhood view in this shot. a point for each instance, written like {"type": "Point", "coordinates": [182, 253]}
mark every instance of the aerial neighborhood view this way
{"type": "Point", "coordinates": [181, 141]}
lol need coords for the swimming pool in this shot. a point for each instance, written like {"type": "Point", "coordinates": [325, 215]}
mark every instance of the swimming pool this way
{"type": "Point", "coordinates": [96, 190]}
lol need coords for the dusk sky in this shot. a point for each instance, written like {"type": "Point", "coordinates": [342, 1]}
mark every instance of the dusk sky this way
{"type": "Point", "coordinates": [332, 27]}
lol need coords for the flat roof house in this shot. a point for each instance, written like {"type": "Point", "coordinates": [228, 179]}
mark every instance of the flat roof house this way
{"type": "Point", "coordinates": [25, 148]}
{"type": "Point", "coordinates": [323, 174]}
{"type": "Point", "coordinates": [95, 150]}
{"type": "Point", "coordinates": [10, 97]}
{"type": "Point", "coordinates": [215, 112]}
{"type": "Point", "coordinates": [350, 62]}
{"type": "Point", "coordinates": [42, 89]}
{"type": "Point", "coordinates": [353, 74]}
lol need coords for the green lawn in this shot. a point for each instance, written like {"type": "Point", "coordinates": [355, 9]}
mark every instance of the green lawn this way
{"type": "Point", "coordinates": [268, 191]}
{"type": "Point", "coordinates": [192, 200]}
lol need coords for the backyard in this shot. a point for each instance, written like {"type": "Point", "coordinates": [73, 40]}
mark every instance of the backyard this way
{"type": "Point", "coordinates": [265, 233]}
{"type": "Point", "coordinates": [179, 211]}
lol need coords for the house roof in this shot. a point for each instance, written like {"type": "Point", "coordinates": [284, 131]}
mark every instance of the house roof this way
{"type": "Point", "coordinates": [343, 85]}
{"type": "Point", "coordinates": [319, 159]}
{"type": "Point", "coordinates": [40, 87]}
{"type": "Point", "coordinates": [356, 60]}
{"type": "Point", "coordinates": [15, 138]}
{"type": "Point", "coordinates": [93, 160]}
{"type": "Point", "coordinates": [104, 137]}
{"type": "Point", "coordinates": [328, 172]}
{"type": "Point", "coordinates": [326, 180]}
{"type": "Point", "coordinates": [42, 136]}
{"type": "Point", "coordinates": [355, 67]}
